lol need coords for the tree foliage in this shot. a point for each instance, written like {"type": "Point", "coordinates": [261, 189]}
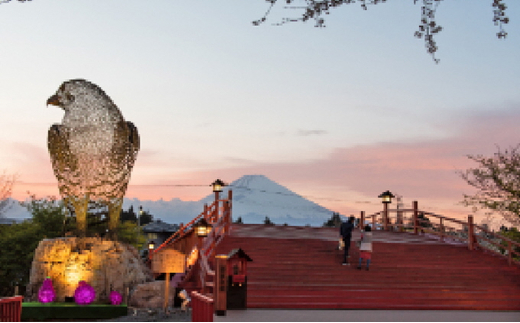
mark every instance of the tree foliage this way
{"type": "Point", "coordinates": [128, 232]}
{"type": "Point", "coordinates": [128, 215]}
{"type": "Point", "coordinates": [497, 180]}
{"type": "Point", "coordinates": [268, 221]}
{"type": "Point", "coordinates": [334, 221]}
{"type": "Point", "coordinates": [18, 241]}
{"type": "Point", "coordinates": [50, 219]}
{"type": "Point", "coordinates": [513, 234]}
{"type": "Point", "coordinates": [428, 26]}
{"type": "Point", "coordinates": [144, 216]}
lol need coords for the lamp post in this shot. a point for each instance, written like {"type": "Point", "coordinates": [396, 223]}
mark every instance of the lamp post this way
{"type": "Point", "coordinates": [386, 199]}
{"type": "Point", "coordinates": [139, 216]}
{"type": "Point", "coordinates": [217, 188]}
{"type": "Point", "coordinates": [139, 221]}
{"type": "Point", "coordinates": [151, 247]}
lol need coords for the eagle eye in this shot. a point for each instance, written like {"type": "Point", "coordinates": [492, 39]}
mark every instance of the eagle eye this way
{"type": "Point", "coordinates": [70, 98]}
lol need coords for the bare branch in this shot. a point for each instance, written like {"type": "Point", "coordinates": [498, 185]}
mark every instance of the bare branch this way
{"type": "Point", "coordinates": [6, 189]}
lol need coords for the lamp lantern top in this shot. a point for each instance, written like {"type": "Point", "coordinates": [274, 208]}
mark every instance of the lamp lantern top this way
{"type": "Point", "coordinates": [387, 197]}
{"type": "Point", "coordinates": [217, 185]}
{"type": "Point", "coordinates": [202, 228]}
{"type": "Point", "coordinates": [151, 245]}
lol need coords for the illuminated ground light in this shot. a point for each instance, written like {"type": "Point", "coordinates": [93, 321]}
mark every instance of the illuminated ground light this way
{"type": "Point", "coordinates": [115, 298]}
{"type": "Point", "coordinates": [46, 294]}
{"type": "Point", "coordinates": [84, 294]}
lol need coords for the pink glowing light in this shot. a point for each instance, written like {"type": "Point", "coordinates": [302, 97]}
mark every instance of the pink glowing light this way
{"type": "Point", "coordinates": [84, 294]}
{"type": "Point", "coordinates": [115, 298]}
{"type": "Point", "coordinates": [46, 293]}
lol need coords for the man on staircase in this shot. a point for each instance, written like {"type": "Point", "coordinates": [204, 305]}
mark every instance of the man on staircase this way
{"type": "Point", "coordinates": [345, 231]}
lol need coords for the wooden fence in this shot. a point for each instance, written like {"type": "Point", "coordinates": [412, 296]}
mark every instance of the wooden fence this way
{"type": "Point", "coordinates": [447, 229]}
{"type": "Point", "coordinates": [11, 309]}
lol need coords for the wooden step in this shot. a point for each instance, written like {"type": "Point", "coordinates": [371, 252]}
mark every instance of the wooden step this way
{"type": "Point", "coordinates": [306, 273]}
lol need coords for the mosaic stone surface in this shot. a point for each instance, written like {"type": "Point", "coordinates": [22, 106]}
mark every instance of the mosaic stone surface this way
{"type": "Point", "coordinates": [92, 151]}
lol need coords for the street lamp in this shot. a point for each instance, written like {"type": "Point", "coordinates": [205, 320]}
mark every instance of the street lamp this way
{"type": "Point", "coordinates": [202, 227]}
{"type": "Point", "coordinates": [151, 247]}
{"type": "Point", "coordinates": [217, 185]}
{"type": "Point", "coordinates": [217, 188]}
{"type": "Point", "coordinates": [386, 199]}
{"type": "Point", "coordinates": [139, 215]}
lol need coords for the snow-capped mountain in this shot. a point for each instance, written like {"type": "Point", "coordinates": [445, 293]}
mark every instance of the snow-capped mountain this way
{"type": "Point", "coordinates": [254, 198]}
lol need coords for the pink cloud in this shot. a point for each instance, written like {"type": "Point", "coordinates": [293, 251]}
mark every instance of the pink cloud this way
{"type": "Point", "coordinates": [348, 179]}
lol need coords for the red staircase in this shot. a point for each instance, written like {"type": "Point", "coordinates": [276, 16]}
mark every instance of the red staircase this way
{"type": "Point", "coordinates": [306, 272]}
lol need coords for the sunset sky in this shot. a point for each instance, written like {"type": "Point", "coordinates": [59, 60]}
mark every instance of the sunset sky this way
{"type": "Point", "coordinates": [336, 114]}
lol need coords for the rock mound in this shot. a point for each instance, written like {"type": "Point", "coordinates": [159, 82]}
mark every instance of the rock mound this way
{"type": "Point", "coordinates": [106, 265]}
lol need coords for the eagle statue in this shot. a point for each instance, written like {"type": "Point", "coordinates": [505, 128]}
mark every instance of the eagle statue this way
{"type": "Point", "coordinates": [93, 151]}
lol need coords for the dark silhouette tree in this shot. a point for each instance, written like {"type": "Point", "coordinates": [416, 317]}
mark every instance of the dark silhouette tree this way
{"type": "Point", "coordinates": [146, 218]}
{"type": "Point", "coordinates": [128, 215]}
{"type": "Point", "coordinates": [334, 221]}
{"type": "Point", "coordinates": [423, 221]}
{"type": "Point", "coordinates": [239, 220]}
{"type": "Point", "coordinates": [267, 221]}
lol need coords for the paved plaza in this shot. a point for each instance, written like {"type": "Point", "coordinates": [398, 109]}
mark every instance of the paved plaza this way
{"type": "Point", "coordinates": [270, 315]}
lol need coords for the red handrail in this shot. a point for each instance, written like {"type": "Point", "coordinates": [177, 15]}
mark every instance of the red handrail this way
{"type": "Point", "coordinates": [218, 214]}
{"type": "Point", "coordinates": [441, 229]}
{"type": "Point", "coordinates": [201, 308]}
{"type": "Point", "coordinates": [11, 309]}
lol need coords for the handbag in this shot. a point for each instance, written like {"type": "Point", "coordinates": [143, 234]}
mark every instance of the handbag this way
{"type": "Point", "coordinates": [341, 244]}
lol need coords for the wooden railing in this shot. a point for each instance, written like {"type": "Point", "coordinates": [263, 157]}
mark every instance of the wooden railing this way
{"type": "Point", "coordinates": [447, 229]}
{"type": "Point", "coordinates": [218, 215]}
{"type": "Point", "coordinates": [11, 309]}
{"type": "Point", "coordinates": [201, 308]}
{"type": "Point", "coordinates": [220, 218]}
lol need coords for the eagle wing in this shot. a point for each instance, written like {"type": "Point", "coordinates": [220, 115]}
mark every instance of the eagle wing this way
{"type": "Point", "coordinates": [64, 163]}
{"type": "Point", "coordinates": [124, 154]}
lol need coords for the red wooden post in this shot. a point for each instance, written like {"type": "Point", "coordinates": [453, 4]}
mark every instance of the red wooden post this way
{"type": "Point", "coordinates": [220, 290]}
{"type": "Point", "coordinates": [471, 233]}
{"type": "Point", "coordinates": [362, 221]}
{"type": "Point", "coordinates": [415, 214]}
{"type": "Point", "coordinates": [11, 309]}
{"type": "Point", "coordinates": [217, 207]}
{"type": "Point", "coordinates": [385, 216]}
{"type": "Point", "coordinates": [230, 217]}
{"type": "Point", "coordinates": [442, 229]}
{"type": "Point", "coordinates": [509, 252]}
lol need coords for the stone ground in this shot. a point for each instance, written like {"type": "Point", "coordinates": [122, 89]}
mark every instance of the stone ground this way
{"type": "Point", "coordinates": [152, 315]}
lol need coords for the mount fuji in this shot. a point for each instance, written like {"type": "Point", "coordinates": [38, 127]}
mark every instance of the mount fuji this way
{"type": "Point", "coordinates": [255, 197]}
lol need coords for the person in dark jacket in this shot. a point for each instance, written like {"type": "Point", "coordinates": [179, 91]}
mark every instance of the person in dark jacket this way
{"type": "Point", "coordinates": [345, 231]}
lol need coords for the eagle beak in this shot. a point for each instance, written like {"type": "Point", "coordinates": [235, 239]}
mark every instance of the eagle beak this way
{"type": "Point", "coordinates": [54, 100]}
